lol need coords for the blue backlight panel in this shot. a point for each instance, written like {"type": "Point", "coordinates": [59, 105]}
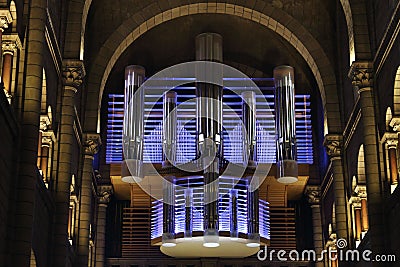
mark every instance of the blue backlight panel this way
{"type": "Point", "coordinates": [186, 148]}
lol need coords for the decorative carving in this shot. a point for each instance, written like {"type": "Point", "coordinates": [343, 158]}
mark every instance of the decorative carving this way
{"type": "Point", "coordinates": [313, 194]}
{"type": "Point", "coordinates": [73, 73]}
{"type": "Point", "coordinates": [361, 191]}
{"type": "Point", "coordinates": [104, 193]}
{"type": "Point", "coordinates": [395, 124]}
{"type": "Point", "coordinates": [5, 19]}
{"type": "Point", "coordinates": [92, 144]}
{"type": "Point", "coordinates": [361, 74]}
{"type": "Point", "coordinates": [333, 144]}
{"type": "Point", "coordinates": [45, 122]}
{"type": "Point", "coordinates": [9, 47]}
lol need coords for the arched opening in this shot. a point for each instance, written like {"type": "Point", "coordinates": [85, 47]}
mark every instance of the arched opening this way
{"type": "Point", "coordinates": [361, 166]}
{"type": "Point", "coordinates": [388, 118]}
{"type": "Point", "coordinates": [396, 94]}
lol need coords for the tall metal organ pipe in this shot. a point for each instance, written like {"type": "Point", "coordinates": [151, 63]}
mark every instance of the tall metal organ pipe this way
{"type": "Point", "coordinates": [209, 128]}
{"type": "Point", "coordinates": [170, 128]}
{"type": "Point", "coordinates": [249, 129]}
{"type": "Point", "coordinates": [168, 237]}
{"type": "Point", "coordinates": [285, 124]}
{"type": "Point", "coordinates": [133, 129]}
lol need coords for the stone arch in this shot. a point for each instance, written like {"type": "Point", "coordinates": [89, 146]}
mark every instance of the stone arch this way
{"type": "Point", "coordinates": [43, 105]}
{"type": "Point", "coordinates": [270, 17]}
{"type": "Point", "coordinates": [361, 166]}
{"type": "Point", "coordinates": [362, 44]}
{"type": "Point", "coordinates": [350, 28]}
{"type": "Point", "coordinates": [33, 259]}
{"type": "Point", "coordinates": [73, 32]}
{"type": "Point", "coordinates": [85, 13]}
{"type": "Point", "coordinates": [396, 93]}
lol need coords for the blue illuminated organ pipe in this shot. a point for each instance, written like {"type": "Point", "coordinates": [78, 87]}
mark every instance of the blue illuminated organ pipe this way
{"type": "Point", "coordinates": [285, 125]}
{"type": "Point", "coordinates": [170, 128]}
{"type": "Point", "coordinates": [168, 236]}
{"type": "Point", "coordinates": [209, 129]}
{"type": "Point", "coordinates": [133, 130]}
{"type": "Point", "coordinates": [169, 154]}
{"type": "Point", "coordinates": [249, 153]}
{"type": "Point", "coordinates": [188, 213]}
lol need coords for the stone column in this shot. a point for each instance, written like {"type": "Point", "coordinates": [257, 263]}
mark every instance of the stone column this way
{"type": "Point", "coordinates": [10, 44]}
{"type": "Point", "coordinates": [361, 192]}
{"type": "Point", "coordinates": [5, 20]}
{"type": "Point", "coordinates": [91, 145]}
{"type": "Point", "coordinates": [333, 145]}
{"type": "Point", "coordinates": [391, 140]}
{"type": "Point", "coordinates": [20, 250]}
{"type": "Point", "coordinates": [73, 73]}
{"type": "Point", "coordinates": [104, 192]}
{"type": "Point", "coordinates": [362, 75]}
{"type": "Point", "coordinates": [313, 194]}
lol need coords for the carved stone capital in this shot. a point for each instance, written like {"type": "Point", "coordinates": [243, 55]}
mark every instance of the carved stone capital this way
{"type": "Point", "coordinates": [355, 201]}
{"type": "Point", "coordinates": [5, 19]}
{"type": "Point", "coordinates": [45, 122]}
{"type": "Point", "coordinates": [333, 144]}
{"type": "Point", "coordinates": [395, 124]}
{"type": "Point", "coordinates": [361, 191]}
{"type": "Point", "coordinates": [313, 194]}
{"type": "Point", "coordinates": [390, 139]}
{"type": "Point", "coordinates": [48, 137]}
{"type": "Point", "coordinates": [10, 43]}
{"type": "Point", "coordinates": [361, 74]}
{"type": "Point", "coordinates": [92, 144]}
{"type": "Point", "coordinates": [104, 193]}
{"type": "Point", "coordinates": [73, 73]}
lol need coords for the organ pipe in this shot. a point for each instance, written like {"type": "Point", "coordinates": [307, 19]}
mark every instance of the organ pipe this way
{"type": "Point", "coordinates": [133, 125]}
{"type": "Point", "coordinates": [285, 125]}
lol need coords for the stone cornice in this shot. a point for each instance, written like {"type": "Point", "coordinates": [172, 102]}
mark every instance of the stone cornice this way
{"type": "Point", "coordinates": [73, 73]}
{"type": "Point", "coordinates": [390, 139]}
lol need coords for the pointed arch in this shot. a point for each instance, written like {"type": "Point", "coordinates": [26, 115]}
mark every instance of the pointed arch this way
{"type": "Point", "coordinates": [350, 29]}
{"type": "Point", "coordinates": [361, 166]}
{"type": "Point", "coordinates": [388, 117]}
{"type": "Point", "coordinates": [396, 93]}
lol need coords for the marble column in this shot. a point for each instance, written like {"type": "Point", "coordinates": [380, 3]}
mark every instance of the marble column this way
{"type": "Point", "coordinates": [73, 73]}
{"type": "Point", "coordinates": [361, 74]}
{"type": "Point", "coordinates": [91, 146]}
{"type": "Point", "coordinates": [313, 194]}
{"type": "Point", "coordinates": [104, 192]}
{"type": "Point", "coordinates": [333, 145]}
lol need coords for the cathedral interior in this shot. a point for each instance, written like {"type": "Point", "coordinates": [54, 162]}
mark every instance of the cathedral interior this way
{"type": "Point", "coordinates": [175, 133]}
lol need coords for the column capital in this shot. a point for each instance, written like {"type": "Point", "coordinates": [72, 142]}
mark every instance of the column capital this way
{"type": "Point", "coordinates": [395, 124]}
{"type": "Point", "coordinates": [5, 19]}
{"type": "Point", "coordinates": [45, 122]}
{"type": "Point", "coordinates": [91, 144]}
{"type": "Point", "coordinates": [10, 43]}
{"type": "Point", "coordinates": [361, 191]}
{"type": "Point", "coordinates": [361, 73]}
{"type": "Point", "coordinates": [355, 201]}
{"type": "Point", "coordinates": [313, 194]}
{"type": "Point", "coordinates": [333, 144]}
{"type": "Point", "coordinates": [73, 73]}
{"type": "Point", "coordinates": [104, 192]}
{"type": "Point", "coordinates": [390, 139]}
